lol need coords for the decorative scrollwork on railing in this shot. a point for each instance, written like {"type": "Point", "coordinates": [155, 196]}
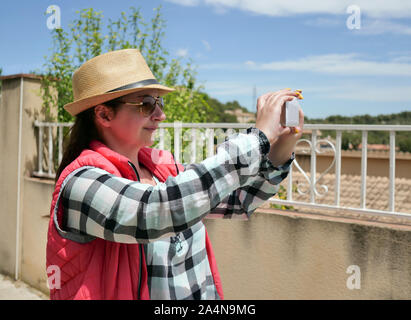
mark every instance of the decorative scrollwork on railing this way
{"type": "Point", "coordinates": [328, 169]}
{"type": "Point", "coordinates": [295, 162]}
{"type": "Point", "coordinates": [313, 184]}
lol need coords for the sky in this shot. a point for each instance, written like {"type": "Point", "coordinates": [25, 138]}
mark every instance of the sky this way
{"type": "Point", "coordinates": [348, 57]}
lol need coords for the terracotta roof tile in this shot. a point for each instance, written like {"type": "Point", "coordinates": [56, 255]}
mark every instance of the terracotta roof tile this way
{"type": "Point", "coordinates": [377, 192]}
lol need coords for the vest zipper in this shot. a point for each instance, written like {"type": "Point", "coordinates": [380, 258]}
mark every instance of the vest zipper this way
{"type": "Point", "coordinates": [140, 246]}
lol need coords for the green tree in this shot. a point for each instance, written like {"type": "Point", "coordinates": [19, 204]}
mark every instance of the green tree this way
{"type": "Point", "coordinates": [217, 113]}
{"type": "Point", "coordinates": [403, 139]}
{"type": "Point", "coordinates": [89, 35]}
{"type": "Point", "coordinates": [282, 195]}
{"type": "Point", "coordinates": [1, 71]}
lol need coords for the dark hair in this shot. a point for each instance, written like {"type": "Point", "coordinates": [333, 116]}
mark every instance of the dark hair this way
{"type": "Point", "coordinates": [83, 131]}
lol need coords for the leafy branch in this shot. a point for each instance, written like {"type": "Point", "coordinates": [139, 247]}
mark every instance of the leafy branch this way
{"type": "Point", "coordinates": [89, 35]}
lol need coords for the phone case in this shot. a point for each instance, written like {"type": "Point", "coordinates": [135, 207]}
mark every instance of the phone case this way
{"type": "Point", "coordinates": [291, 113]}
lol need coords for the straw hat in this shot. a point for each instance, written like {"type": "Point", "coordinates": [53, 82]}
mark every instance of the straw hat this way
{"type": "Point", "coordinates": [109, 76]}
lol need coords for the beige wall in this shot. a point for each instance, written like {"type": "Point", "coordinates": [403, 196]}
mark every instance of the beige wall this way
{"type": "Point", "coordinates": [9, 124]}
{"type": "Point", "coordinates": [13, 180]}
{"type": "Point", "coordinates": [377, 165]}
{"type": "Point", "coordinates": [37, 200]}
{"type": "Point", "coordinates": [292, 256]}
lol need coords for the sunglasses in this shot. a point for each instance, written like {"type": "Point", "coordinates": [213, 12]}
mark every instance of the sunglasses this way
{"type": "Point", "coordinates": [147, 105]}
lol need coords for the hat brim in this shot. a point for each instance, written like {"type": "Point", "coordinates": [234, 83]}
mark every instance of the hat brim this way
{"type": "Point", "coordinates": [76, 107]}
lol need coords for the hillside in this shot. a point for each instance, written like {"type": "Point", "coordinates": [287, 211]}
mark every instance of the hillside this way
{"type": "Point", "coordinates": [217, 113]}
{"type": "Point", "coordinates": [349, 139]}
{"type": "Point", "coordinates": [403, 139]}
{"type": "Point", "coordinates": [403, 118]}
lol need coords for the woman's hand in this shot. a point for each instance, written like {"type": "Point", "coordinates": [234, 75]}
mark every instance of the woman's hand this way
{"type": "Point", "coordinates": [283, 148]}
{"type": "Point", "coordinates": [269, 108]}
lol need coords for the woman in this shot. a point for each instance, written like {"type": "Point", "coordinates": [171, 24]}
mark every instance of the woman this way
{"type": "Point", "coordinates": [125, 220]}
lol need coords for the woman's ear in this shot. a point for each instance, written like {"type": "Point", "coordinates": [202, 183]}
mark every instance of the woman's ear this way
{"type": "Point", "coordinates": [103, 115]}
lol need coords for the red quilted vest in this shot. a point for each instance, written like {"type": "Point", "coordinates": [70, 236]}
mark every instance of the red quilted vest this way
{"type": "Point", "coordinates": [101, 269]}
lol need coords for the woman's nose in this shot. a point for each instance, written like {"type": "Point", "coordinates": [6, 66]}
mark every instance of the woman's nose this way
{"type": "Point", "coordinates": [158, 114]}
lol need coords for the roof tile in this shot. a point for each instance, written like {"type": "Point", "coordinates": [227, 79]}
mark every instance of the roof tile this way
{"type": "Point", "coordinates": [350, 191]}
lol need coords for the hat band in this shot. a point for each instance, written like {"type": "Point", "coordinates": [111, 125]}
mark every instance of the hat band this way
{"type": "Point", "coordinates": [138, 84]}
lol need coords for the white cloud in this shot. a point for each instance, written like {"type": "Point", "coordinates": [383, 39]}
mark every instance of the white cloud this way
{"type": "Point", "coordinates": [372, 8]}
{"type": "Point", "coordinates": [187, 3]}
{"type": "Point", "coordinates": [354, 91]}
{"type": "Point", "coordinates": [340, 64]}
{"type": "Point", "coordinates": [367, 93]}
{"type": "Point", "coordinates": [182, 53]}
{"type": "Point", "coordinates": [206, 45]}
{"type": "Point", "coordinates": [376, 15]}
{"type": "Point", "coordinates": [242, 88]}
{"type": "Point", "coordinates": [369, 26]}
{"type": "Point", "coordinates": [349, 64]}
{"type": "Point", "coordinates": [380, 26]}
{"type": "Point", "coordinates": [358, 91]}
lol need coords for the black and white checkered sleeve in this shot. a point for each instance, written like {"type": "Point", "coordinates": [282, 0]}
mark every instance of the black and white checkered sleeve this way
{"type": "Point", "coordinates": [102, 205]}
{"type": "Point", "coordinates": [241, 203]}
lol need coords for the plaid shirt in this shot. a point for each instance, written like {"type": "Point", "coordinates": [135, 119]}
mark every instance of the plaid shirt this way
{"type": "Point", "coordinates": [167, 217]}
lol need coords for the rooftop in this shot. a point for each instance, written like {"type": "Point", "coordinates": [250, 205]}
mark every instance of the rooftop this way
{"type": "Point", "coordinates": [350, 195]}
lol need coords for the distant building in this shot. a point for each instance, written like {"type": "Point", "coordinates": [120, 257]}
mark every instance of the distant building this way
{"type": "Point", "coordinates": [242, 116]}
{"type": "Point", "coordinates": [377, 147]}
{"type": "Point", "coordinates": [350, 192]}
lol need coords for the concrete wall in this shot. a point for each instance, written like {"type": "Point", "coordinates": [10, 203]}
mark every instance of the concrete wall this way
{"type": "Point", "coordinates": [36, 212]}
{"type": "Point", "coordinates": [9, 124]}
{"type": "Point", "coordinates": [21, 201]}
{"type": "Point", "coordinates": [288, 255]}
{"type": "Point", "coordinates": [378, 163]}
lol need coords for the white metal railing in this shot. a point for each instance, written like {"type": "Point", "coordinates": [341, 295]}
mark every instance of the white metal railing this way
{"type": "Point", "coordinates": [49, 172]}
{"type": "Point", "coordinates": [207, 132]}
{"type": "Point", "coordinates": [313, 181]}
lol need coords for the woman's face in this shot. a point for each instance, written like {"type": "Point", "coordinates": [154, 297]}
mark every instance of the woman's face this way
{"type": "Point", "coordinates": [131, 127]}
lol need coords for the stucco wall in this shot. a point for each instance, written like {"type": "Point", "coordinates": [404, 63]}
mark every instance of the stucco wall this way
{"type": "Point", "coordinates": [13, 179]}
{"type": "Point", "coordinates": [37, 200]}
{"type": "Point", "coordinates": [282, 255]}
{"type": "Point", "coordinates": [9, 124]}
{"type": "Point", "coordinates": [297, 256]}
{"type": "Point", "coordinates": [378, 164]}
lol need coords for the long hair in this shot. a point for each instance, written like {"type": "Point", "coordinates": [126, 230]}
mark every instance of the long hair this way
{"type": "Point", "coordinates": [83, 131]}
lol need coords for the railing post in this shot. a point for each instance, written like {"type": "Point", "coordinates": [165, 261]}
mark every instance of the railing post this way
{"type": "Point", "coordinates": [210, 142]}
{"type": "Point", "coordinates": [337, 168]}
{"type": "Point", "coordinates": [50, 146]}
{"type": "Point", "coordinates": [161, 142]}
{"type": "Point", "coordinates": [391, 203]}
{"type": "Point", "coordinates": [60, 143]}
{"type": "Point", "coordinates": [177, 138]}
{"type": "Point", "coordinates": [40, 170]}
{"type": "Point", "coordinates": [193, 145]}
{"type": "Point", "coordinates": [313, 164]}
{"type": "Point", "coordinates": [290, 184]}
{"type": "Point", "coordinates": [364, 169]}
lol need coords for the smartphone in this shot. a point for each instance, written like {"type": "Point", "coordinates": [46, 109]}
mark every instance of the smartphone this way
{"type": "Point", "coordinates": [290, 113]}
